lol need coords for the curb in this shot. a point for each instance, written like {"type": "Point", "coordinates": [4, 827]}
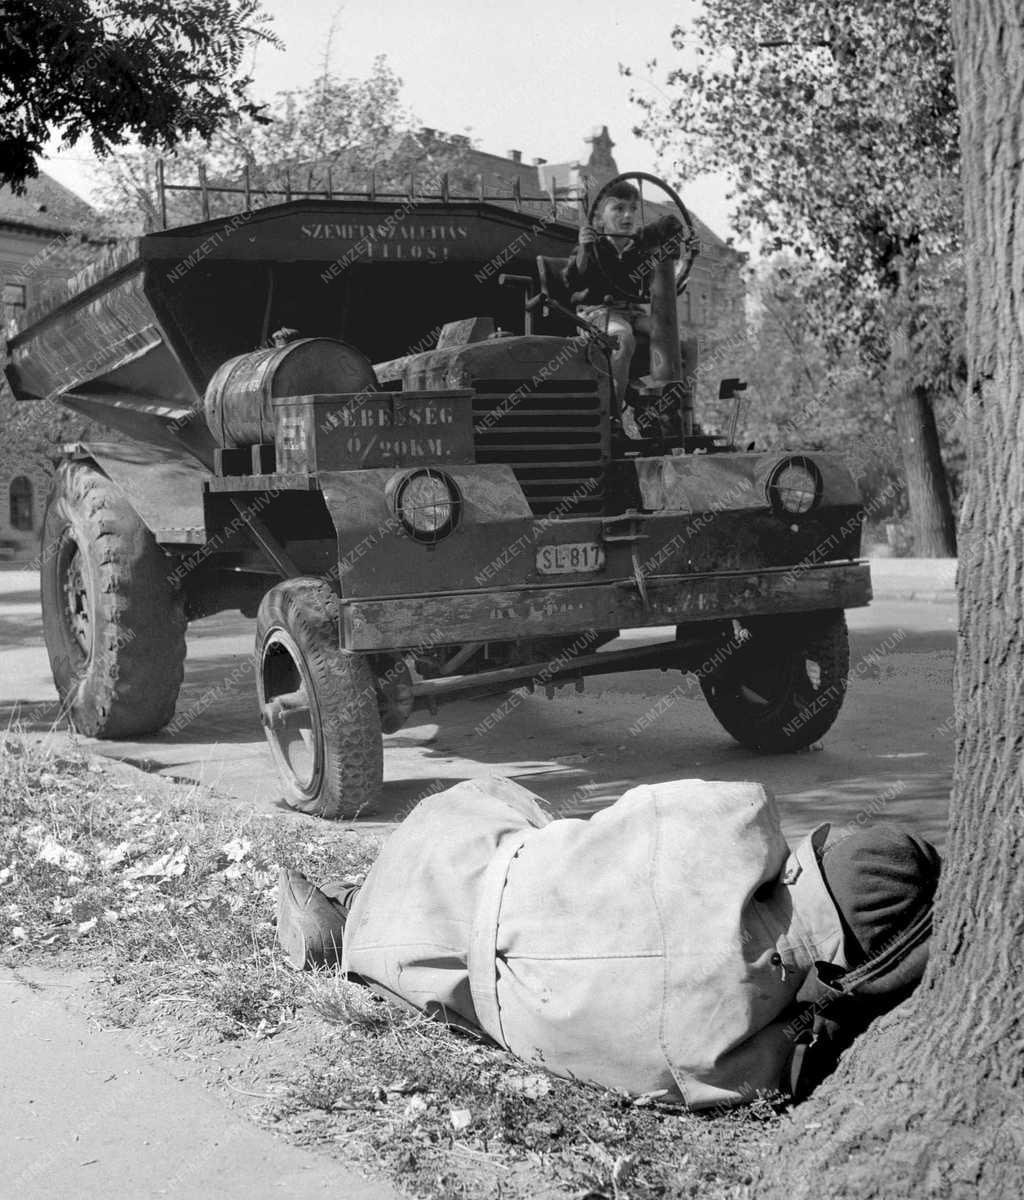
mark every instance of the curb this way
{"type": "Point", "coordinates": [924, 580]}
{"type": "Point", "coordinates": [921, 595]}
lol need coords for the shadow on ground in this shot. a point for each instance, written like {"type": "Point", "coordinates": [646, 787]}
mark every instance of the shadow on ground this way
{"type": "Point", "coordinates": [889, 756]}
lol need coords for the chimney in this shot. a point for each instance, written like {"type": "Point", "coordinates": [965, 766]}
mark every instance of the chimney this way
{"type": "Point", "coordinates": [538, 162]}
{"type": "Point", "coordinates": [515, 155]}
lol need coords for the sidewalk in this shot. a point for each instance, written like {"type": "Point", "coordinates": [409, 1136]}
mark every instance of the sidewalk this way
{"type": "Point", "coordinates": [83, 1114]}
{"type": "Point", "coordinates": [926, 579]}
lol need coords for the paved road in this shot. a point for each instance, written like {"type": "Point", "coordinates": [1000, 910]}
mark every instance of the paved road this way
{"type": "Point", "coordinates": [890, 753]}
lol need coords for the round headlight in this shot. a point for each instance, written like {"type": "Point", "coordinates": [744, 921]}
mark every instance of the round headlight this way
{"type": "Point", "coordinates": [427, 503]}
{"type": "Point", "coordinates": [794, 486]}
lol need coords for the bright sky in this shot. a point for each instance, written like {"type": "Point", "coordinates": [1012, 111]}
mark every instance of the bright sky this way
{"type": "Point", "coordinates": [535, 78]}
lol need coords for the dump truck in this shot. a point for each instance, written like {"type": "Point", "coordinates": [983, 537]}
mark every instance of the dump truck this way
{"type": "Point", "coordinates": [379, 427]}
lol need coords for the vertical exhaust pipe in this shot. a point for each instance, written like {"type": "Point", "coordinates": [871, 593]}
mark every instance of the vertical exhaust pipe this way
{"type": "Point", "coordinates": [666, 353]}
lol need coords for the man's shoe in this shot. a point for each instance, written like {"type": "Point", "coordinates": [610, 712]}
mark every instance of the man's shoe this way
{"type": "Point", "coordinates": [309, 925]}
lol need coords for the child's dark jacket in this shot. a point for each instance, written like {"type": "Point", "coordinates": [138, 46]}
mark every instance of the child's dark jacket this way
{"type": "Point", "coordinates": [602, 271]}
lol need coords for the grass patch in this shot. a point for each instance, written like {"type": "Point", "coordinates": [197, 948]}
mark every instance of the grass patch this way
{"type": "Point", "coordinates": [175, 899]}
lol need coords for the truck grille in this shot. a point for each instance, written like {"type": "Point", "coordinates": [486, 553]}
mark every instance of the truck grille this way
{"type": "Point", "coordinates": [553, 439]}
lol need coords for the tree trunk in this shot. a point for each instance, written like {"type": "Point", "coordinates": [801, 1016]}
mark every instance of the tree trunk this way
{"type": "Point", "coordinates": [931, 513]}
{"type": "Point", "coordinates": [929, 1102]}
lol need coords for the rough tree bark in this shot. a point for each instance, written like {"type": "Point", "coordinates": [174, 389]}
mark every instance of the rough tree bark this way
{"type": "Point", "coordinates": [930, 1102]}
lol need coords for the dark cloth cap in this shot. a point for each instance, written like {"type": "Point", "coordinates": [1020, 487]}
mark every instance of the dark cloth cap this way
{"type": "Point", "coordinates": [883, 881]}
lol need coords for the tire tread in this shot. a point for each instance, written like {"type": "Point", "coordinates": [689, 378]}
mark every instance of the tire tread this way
{"type": "Point", "coordinates": [307, 608]}
{"type": "Point", "coordinates": [829, 646]}
{"type": "Point", "coordinates": [134, 683]}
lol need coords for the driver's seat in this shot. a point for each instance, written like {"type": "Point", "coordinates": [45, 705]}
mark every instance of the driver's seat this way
{"type": "Point", "coordinates": [550, 281]}
{"type": "Point", "coordinates": [550, 277]}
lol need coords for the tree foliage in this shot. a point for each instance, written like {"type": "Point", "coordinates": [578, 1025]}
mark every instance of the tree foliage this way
{"type": "Point", "coordinates": [157, 71]}
{"type": "Point", "coordinates": [838, 126]}
{"type": "Point", "coordinates": [335, 132]}
{"type": "Point", "coordinates": [837, 123]}
{"type": "Point", "coordinates": [807, 389]}
{"type": "Point", "coordinates": [802, 393]}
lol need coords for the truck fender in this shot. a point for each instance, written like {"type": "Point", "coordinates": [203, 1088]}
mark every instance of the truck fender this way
{"type": "Point", "coordinates": [166, 491]}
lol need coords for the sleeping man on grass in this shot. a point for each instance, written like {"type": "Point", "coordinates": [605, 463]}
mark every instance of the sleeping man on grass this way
{"type": "Point", "coordinates": [671, 943]}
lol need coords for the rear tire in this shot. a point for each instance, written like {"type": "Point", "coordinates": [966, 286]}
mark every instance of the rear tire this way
{"type": "Point", "coordinates": [114, 625]}
{"type": "Point", "coordinates": [318, 703]}
{"type": "Point", "coordinates": [782, 688]}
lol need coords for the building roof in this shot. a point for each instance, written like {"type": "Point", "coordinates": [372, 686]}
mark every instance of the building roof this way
{"type": "Point", "coordinates": [46, 206]}
{"type": "Point", "coordinates": [595, 165]}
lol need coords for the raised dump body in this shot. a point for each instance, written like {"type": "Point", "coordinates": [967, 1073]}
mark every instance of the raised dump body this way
{"type": "Point", "coordinates": [138, 337]}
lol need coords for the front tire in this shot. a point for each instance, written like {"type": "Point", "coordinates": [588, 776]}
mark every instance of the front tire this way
{"type": "Point", "coordinates": [114, 625]}
{"type": "Point", "coordinates": [781, 687]}
{"type": "Point", "coordinates": [318, 703]}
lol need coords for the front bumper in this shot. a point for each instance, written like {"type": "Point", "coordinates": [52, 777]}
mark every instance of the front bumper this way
{"type": "Point", "coordinates": [530, 612]}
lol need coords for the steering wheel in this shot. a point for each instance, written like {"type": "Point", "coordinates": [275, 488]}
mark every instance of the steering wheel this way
{"type": "Point", "coordinates": [689, 242]}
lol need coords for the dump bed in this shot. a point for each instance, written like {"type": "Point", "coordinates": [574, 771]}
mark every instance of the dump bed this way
{"type": "Point", "coordinates": [134, 340]}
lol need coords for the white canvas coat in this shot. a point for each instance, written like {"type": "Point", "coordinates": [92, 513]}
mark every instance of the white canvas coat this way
{"type": "Point", "coordinates": [655, 947]}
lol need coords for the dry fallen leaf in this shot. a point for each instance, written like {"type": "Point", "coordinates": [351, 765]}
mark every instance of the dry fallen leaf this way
{"type": "Point", "coordinates": [115, 855]}
{"type": "Point", "coordinates": [236, 849]}
{"type": "Point", "coordinates": [545, 1129]}
{"type": "Point", "coordinates": [622, 1172]}
{"type": "Point", "coordinates": [167, 866]}
{"type": "Point", "coordinates": [461, 1118]}
{"type": "Point", "coordinates": [533, 1087]}
{"type": "Point", "coordinates": [52, 852]}
{"type": "Point", "coordinates": [403, 1087]}
{"type": "Point", "coordinates": [648, 1098]}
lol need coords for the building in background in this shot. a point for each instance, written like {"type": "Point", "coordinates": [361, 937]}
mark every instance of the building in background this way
{"type": "Point", "coordinates": [45, 235]}
{"type": "Point", "coordinates": [40, 233]}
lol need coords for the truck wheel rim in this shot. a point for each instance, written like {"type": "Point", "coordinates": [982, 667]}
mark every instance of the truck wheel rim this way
{"type": "Point", "coordinates": [76, 609]}
{"type": "Point", "coordinates": [767, 686]}
{"type": "Point", "coordinates": [289, 711]}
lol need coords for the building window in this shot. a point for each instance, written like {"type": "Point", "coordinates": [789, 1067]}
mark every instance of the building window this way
{"type": "Point", "coordinates": [14, 295]}
{"type": "Point", "coordinates": [21, 503]}
{"type": "Point", "coordinates": [687, 306]}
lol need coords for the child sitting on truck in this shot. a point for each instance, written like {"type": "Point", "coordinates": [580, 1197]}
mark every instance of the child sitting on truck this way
{"type": "Point", "coordinates": [615, 266]}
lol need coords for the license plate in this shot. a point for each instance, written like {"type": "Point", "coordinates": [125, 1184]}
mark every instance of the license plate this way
{"type": "Point", "coordinates": [570, 558]}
